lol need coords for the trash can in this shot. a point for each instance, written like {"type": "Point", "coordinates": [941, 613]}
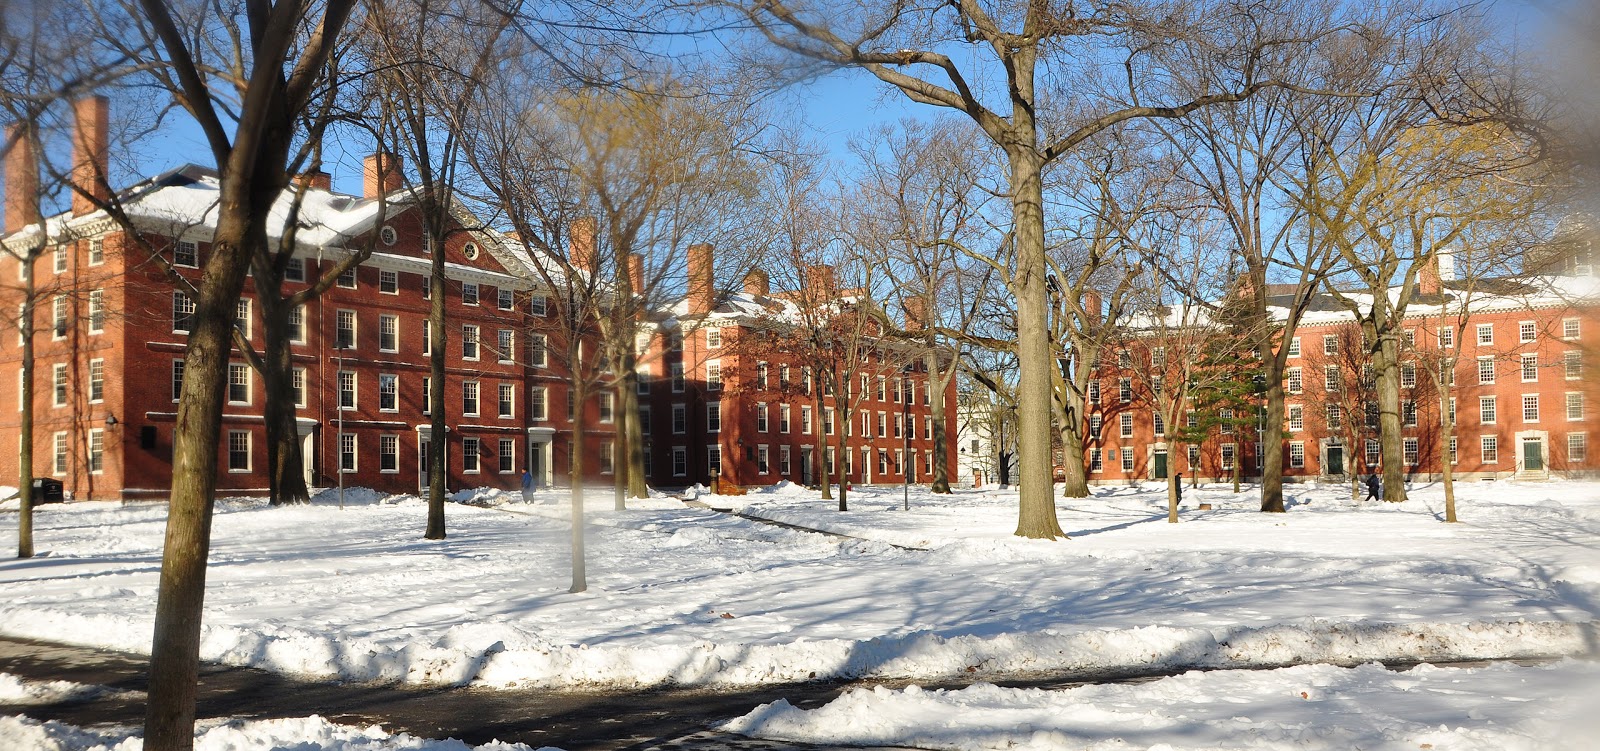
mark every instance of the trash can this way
{"type": "Point", "coordinates": [48, 490]}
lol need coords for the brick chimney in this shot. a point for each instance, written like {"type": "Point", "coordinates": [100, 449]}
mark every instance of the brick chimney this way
{"type": "Point", "coordinates": [382, 173]}
{"type": "Point", "coordinates": [916, 313]}
{"type": "Point", "coordinates": [636, 273]}
{"type": "Point", "coordinates": [1093, 305]}
{"type": "Point", "coordinates": [701, 281]}
{"type": "Point", "coordinates": [821, 283]}
{"type": "Point", "coordinates": [1428, 278]}
{"type": "Point", "coordinates": [314, 180]}
{"type": "Point", "coordinates": [757, 283]}
{"type": "Point", "coordinates": [22, 178]}
{"type": "Point", "coordinates": [91, 152]}
{"type": "Point", "coordinates": [582, 250]}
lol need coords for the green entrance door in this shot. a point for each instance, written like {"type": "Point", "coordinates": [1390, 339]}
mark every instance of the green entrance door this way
{"type": "Point", "coordinates": [1334, 465]}
{"type": "Point", "coordinates": [1161, 463]}
{"type": "Point", "coordinates": [1532, 455]}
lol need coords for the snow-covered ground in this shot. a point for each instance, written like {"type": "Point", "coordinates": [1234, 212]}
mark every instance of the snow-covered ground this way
{"type": "Point", "coordinates": [691, 596]}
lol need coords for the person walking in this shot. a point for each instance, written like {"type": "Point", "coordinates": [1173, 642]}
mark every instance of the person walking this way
{"type": "Point", "coordinates": [1177, 482]}
{"type": "Point", "coordinates": [1372, 488]}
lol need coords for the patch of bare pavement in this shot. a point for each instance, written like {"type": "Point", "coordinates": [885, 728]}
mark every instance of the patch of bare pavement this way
{"type": "Point", "coordinates": [676, 719]}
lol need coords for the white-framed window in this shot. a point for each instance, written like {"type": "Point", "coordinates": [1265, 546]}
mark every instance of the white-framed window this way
{"type": "Point", "coordinates": [97, 450]}
{"type": "Point", "coordinates": [389, 281]}
{"type": "Point", "coordinates": [427, 395]}
{"type": "Point", "coordinates": [388, 235]}
{"type": "Point", "coordinates": [1569, 329]}
{"type": "Point", "coordinates": [388, 333]}
{"type": "Point", "coordinates": [239, 453]}
{"type": "Point", "coordinates": [713, 417]}
{"type": "Point", "coordinates": [680, 419]}
{"type": "Point", "coordinates": [1126, 426]}
{"type": "Point", "coordinates": [1485, 370]}
{"type": "Point", "coordinates": [1450, 410]}
{"type": "Point", "coordinates": [389, 454]}
{"type": "Point", "coordinates": [538, 404]}
{"type": "Point", "coordinates": [1408, 451]}
{"type": "Point", "coordinates": [97, 251]}
{"type": "Point", "coordinates": [676, 375]}
{"type": "Point", "coordinates": [1489, 448]}
{"type": "Point", "coordinates": [97, 311]}
{"type": "Point", "coordinates": [1125, 390]}
{"type": "Point", "coordinates": [805, 419]}
{"type": "Point", "coordinates": [1160, 424]}
{"type": "Point", "coordinates": [783, 377]}
{"type": "Point", "coordinates": [347, 278]}
{"type": "Point", "coordinates": [345, 331]}
{"type": "Point", "coordinates": [1096, 460]}
{"type": "Point", "coordinates": [608, 407]}
{"type": "Point", "coordinates": [829, 458]}
{"type": "Point", "coordinates": [471, 456]}
{"type": "Point", "coordinates": [883, 424]}
{"type": "Point", "coordinates": [1374, 451]}
{"type": "Point", "coordinates": [469, 398]}
{"type": "Point", "coordinates": [295, 270]}
{"type": "Point", "coordinates": [785, 463]}
{"type": "Point", "coordinates": [1227, 454]}
{"type": "Point", "coordinates": [186, 253]}
{"type": "Point", "coordinates": [239, 386]}
{"type": "Point", "coordinates": [469, 341]}
{"type": "Point", "coordinates": [505, 299]}
{"type": "Point", "coordinates": [347, 390]}
{"type": "Point", "coordinates": [1335, 417]}
{"type": "Point", "coordinates": [58, 317]}
{"type": "Point", "coordinates": [1296, 383]}
{"type": "Point", "coordinates": [1447, 337]}
{"type": "Point", "coordinates": [1297, 418]}
{"type": "Point", "coordinates": [882, 389]}
{"type": "Point", "coordinates": [1455, 452]}
{"type": "Point", "coordinates": [1330, 344]}
{"type": "Point", "coordinates": [644, 423]}
{"type": "Point", "coordinates": [714, 459]}
{"type": "Point", "coordinates": [713, 375]}
{"type": "Point", "coordinates": [761, 417]}
{"type": "Point", "coordinates": [1530, 368]}
{"type": "Point", "coordinates": [97, 380]}
{"type": "Point", "coordinates": [1127, 460]}
{"type": "Point", "coordinates": [538, 350]}
{"type": "Point", "coordinates": [297, 382]}
{"type": "Point", "coordinates": [58, 385]}
{"type": "Point", "coordinates": [1530, 407]}
{"type": "Point", "coordinates": [680, 461]}
{"type": "Point", "coordinates": [297, 324]}
{"type": "Point", "coordinates": [177, 379]}
{"type": "Point", "coordinates": [58, 464]}
{"type": "Point", "coordinates": [1408, 413]}
{"type": "Point", "coordinates": [1297, 454]}
{"type": "Point", "coordinates": [1294, 346]}
{"type": "Point", "coordinates": [1577, 449]}
{"type": "Point", "coordinates": [763, 463]}
{"type": "Point", "coordinates": [1331, 381]}
{"type": "Point", "coordinates": [507, 402]}
{"type": "Point", "coordinates": [1408, 375]}
{"type": "Point", "coordinates": [241, 317]}
{"type": "Point", "coordinates": [1409, 337]}
{"type": "Point", "coordinates": [1485, 334]}
{"type": "Point", "coordinates": [506, 341]}
{"type": "Point", "coordinates": [388, 392]}
{"type": "Point", "coordinates": [829, 417]}
{"type": "Point", "coordinates": [1124, 359]}
{"type": "Point", "coordinates": [538, 305]}
{"type": "Point", "coordinates": [883, 462]}
{"type": "Point", "coordinates": [1486, 410]}
{"type": "Point", "coordinates": [469, 293]}
{"type": "Point", "coordinates": [1574, 406]}
{"type": "Point", "coordinates": [927, 427]}
{"type": "Point", "coordinates": [1094, 392]}
{"type": "Point", "coordinates": [783, 418]}
{"type": "Point", "coordinates": [507, 456]}
{"type": "Point", "coordinates": [1527, 331]}
{"type": "Point", "coordinates": [1096, 422]}
{"type": "Point", "coordinates": [713, 338]}
{"type": "Point", "coordinates": [608, 457]}
{"type": "Point", "coordinates": [1572, 365]}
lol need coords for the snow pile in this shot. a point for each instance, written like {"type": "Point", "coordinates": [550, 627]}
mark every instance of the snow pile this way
{"type": "Point", "coordinates": [299, 734]}
{"type": "Point", "coordinates": [16, 691]}
{"type": "Point", "coordinates": [1497, 708]}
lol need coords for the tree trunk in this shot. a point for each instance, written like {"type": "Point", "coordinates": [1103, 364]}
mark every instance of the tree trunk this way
{"type": "Point", "coordinates": [285, 464]}
{"type": "Point", "coordinates": [1449, 431]}
{"type": "Point", "coordinates": [580, 574]}
{"type": "Point", "coordinates": [1172, 476]}
{"type": "Point", "coordinates": [1385, 361]}
{"type": "Point", "coordinates": [175, 648]}
{"type": "Point", "coordinates": [436, 376]}
{"type": "Point", "coordinates": [843, 462]}
{"type": "Point", "coordinates": [1272, 441]}
{"type": "Point", "coordinates": [1036, 516]}
{"type": "Point", "coordinates": [25, 443]}
{"type": "Point", "coordinates": [937, 380]}
{"type": "Point", "coordinates": [632, 430]}
{"type": "Point", "coordinates": [820, 460]}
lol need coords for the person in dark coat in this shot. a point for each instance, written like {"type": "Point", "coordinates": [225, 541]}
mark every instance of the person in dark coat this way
{"type": "Point", "coordinates": [1177, 482]}
{"type": "Point", "coordinates": [1372, 488]}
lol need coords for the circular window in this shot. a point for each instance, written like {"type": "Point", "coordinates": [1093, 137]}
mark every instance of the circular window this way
{"type": "Point", "coordinates": [388, 235]}
{"type": "Point", "coordinates": [471, 251]}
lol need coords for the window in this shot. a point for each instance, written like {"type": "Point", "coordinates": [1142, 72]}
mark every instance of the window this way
{"type": "Point", "coordinates": [1527, 331]}
{"type": "Point", "coordinates": [1485, 334]}
{"type": "Point", "coordinates": [883, 424]}
{"type": "Point", "coordinates": [1374, 451]}
{"type": "Point", "coordinates": [469, 398]}
{"type": "Point", "coordinates": [1125, 390]}
{"type": "Point", "coordinates": [1160, 424]}
{"type": "Point", "coordinates": [538, 305]}
{"type": "Point", "coordinates": [1486, 410]}
{"type": "Point", "coordinates": [762, 466]}
{"type": "Point", "coordinates": [1124, 360]}
{"type": "Point", "coordinates": [1226, 454]}
{"type": "Point", "coordinates": [238, 383]}
{"type": "Point", "coordinates": [680, 461]}
{"type": "Point", "coordinates": [1577, 448]}
{"type": "Point", "coordinates": [1297, 418]}
{"type": "Point", "coordinates": [469, 342]}
{"type": "Point", "coordinates": [1127, 460]}
{"type": "Point", "coordinates": [427, 294]}
{"type": "Point", "coordinates": [1486, 370]}
{"type": "Point", "coordinates": [297, 383]}
{"type": "Point", "coordinates": [1297, 454]}
{"type": "Point", "coordinates": [97, 450]}
{"type": "Point", "coordinates": [347, 278]}
{"type": "Point", "coordinates": [761, 417]}
{"type": "Point", "coordinates": [1371, 415]}
{"type": "Point", "coordinates": [1096, 461]}
{"type": "Point", "coordinates": [829, 416]}
{"type": "Point", "coordinates": [388, 392]}
{"type": "Point", "coordinates": [295, 270]}
{"type": "Point", "coordinates": [469, 293]}
{"type": "Point", "coordinates": [388, 333]}
{"type": "Point", "coordinates": [713, 338]}
{"type": "Point", "coordinates": [97, 251]}
{"type": "Point", "coordinates": [1096, 422]}
{"type": "Point", "coordinates": [883, 462]}
{"type": "Point", "coordinates": [608, 458]}
{"type": "Point", "coordinates": [347, 390]}
{"type": "Point", "coordinates": [97, 380]}
{"type": "Point", "coordinates": [1408, 413]}
{"type": "Point", "coordinates": [1530, 407]}
{"type": "Point", "coordinates": [1408, 375]}
{"type": "Point", "coordinates": [714, 459]}
{"type": "Point", "coordinates": [680, 419]}
{"type": "Point", "coordinates": [177, 379]}
{"type": "Point", "coordinates": [881, 389]}
{"type": "Point", "coordinates": [805, 420]}
{"type": "Point", "coordinates": [1094, 392]}
{"type": "Point", "coordinates": [58, 381]}
{"type": "Point", "coordinates": [1455, 454]}
{"type": "Point", "coordinates": [186, 254]}
{"type": "Point", "coordinates": [714, 375]}
{"type": "Point", "coordinates": [1572, 365]}
{"type": "Point", "coordinates": [1451, 410]}
{"type": "Point", "coordinates": [238, 451]}
{"type": "Point", "coordinates": [1530, 368]}
{"type": "Point", "coordinates": [1489, 447]}
{"type": "Point", "coordinates": [1330, 378]}
{"type": "Point", "coordinates": [505, 299]}
{"type": "Point", "coordinates": [783, 418]}
{"type": "Point", "coordinates": [388, 453]}
{"type": "Point", "coordinates": [297, 324]}
{"type": "Point", "coordinates": [427, 395]}
{"type": "Point", "coordinates": [1330, 344]}
{"type": "Point", "coordinates": [927, 427]}
{"type": "Point", "coordinates": [346, 330]}
{"type": "Point", "coordinates": [1335, 417]}
{"type": "Point", "coordinates": [1447, 337]}
{"type": "Point", "coordinates": [182, 313]}
{"type": "Point", "coordinates": [644, 422]}
{"type": "Point", "coordinates": [713, 417]}
{"type": "Point", "coordinates": [97, 311]}
{"type": "Point", "coordinates": [783, 378]}
{"type": "Point", "coordinates": [1408, 451]}
{"type": "Point", "coordinates": [785, 465]}
{"type": "Point", "coordinates": [1294, 347]}
{"type": "Point", "coordinates": [389, 282]}
{"type": "Point", "coordinates": [538, 350]}
{"type": "Point", "coordinates": [1569, 329]}
{"type": "Point", "coordinates": [1127, 425]}
{"type": "Point", "coordinates": [676, 375]}
{"type": "Point", "coordinates": [829, 457]}
{"type": "Point", "coordinates": [470, 456]}
{"type": "Point", "coordinates": [538, 404]}
{"type": "Point", "coordinates": [507, 401]}
{"type": "Point", "coordinates": [1574, 406]}
{"type": "Point", "coordinates": [1295, 381]}
{"type": "Point", "coordinates": [608, 407]}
